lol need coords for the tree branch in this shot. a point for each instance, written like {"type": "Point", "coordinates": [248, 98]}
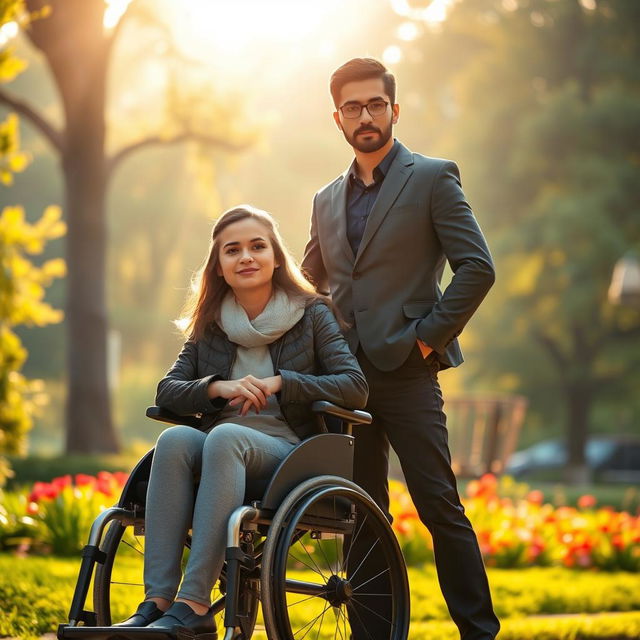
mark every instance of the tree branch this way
{"type": "Point", "coordinates": [212, 141]}
{"type": "Point", "coordinates": [552, 348]}
{"type": "Point", "coordinates": [23, 108]}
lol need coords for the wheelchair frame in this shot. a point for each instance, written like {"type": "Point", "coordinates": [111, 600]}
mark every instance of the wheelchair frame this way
{"type": "Point", "coordinates": [296, 501]}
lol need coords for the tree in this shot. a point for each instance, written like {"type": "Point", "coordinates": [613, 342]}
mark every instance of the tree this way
{"type": "Point", "coordinates": [77, 46]}
{"type": "Point", "coordinates": [546, 110]}
{"type": "Point", "coordinates": [22, 284]}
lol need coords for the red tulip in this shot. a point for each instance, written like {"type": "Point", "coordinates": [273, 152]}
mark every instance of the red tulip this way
{"type": "Point", "coordinates": [587, 501]}
{"type": "Point", "coordinates": [535, 496]}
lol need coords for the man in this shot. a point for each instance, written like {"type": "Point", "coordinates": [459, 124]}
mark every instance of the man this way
{"type": "Point", "coordinates": [380, 235]}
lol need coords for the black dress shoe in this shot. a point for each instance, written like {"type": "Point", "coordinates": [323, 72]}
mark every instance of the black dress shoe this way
{"type": "Point", "coordinates": [145, 613]}
{"type": "Point", "coordinates": [180, 614]}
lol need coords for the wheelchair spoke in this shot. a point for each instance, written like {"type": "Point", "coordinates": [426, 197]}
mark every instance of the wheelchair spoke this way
{"type": "Point", "coordinates": [320, 626]}
{"type": "Point", "coordinates": [351, 543]}
{"type": "Point", "coordinates": [128, 584]}
{"type": "Point", "coordinates": [311, 623]}
{"type": "Point", "coordinates": [312, 560]}
{"type": "Point", "coordinates": [356, 601]}
{"type": "Point", "coordinates": [335, 517]}
{"type": "Point", "coordinates": [321, 547]}
{"type": "Point", "coordinates": [305, 564]}
{"type": "Point", "coordinates": [293, 604]}
{"type": "Point", "coordinates": [139, 551]}
{"type": "Point", "coordinates": [362, 625]}
{"type": "Point", "coordinates": [370, 579]}
{"type": "Point", "coordinates": [353, 575]}
{"type": "Point", "coordinates": [337, 611]}
{"type": "Point", "coordinates": [335, 633]}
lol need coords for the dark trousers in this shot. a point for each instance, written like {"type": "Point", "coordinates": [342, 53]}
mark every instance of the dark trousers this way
{"type": "Point", "coordinates": [407, 409]}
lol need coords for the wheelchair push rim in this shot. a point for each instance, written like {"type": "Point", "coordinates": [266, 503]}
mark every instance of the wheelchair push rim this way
{"type": "Point", "coordinates": [315, 587]}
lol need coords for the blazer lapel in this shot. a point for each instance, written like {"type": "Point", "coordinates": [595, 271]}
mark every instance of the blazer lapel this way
{"type": "Point", "coordinates": [399, 172]}
{"type": "Point", "coordinates": [339, 213]}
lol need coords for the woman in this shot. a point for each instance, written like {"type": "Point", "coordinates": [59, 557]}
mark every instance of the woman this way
{"type": "Point", "coordinates": [262, 346]}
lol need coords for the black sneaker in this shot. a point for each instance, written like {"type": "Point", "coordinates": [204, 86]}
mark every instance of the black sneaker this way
{"type": "Point", "coordinates": [181, 616]}
{"type": "Point", "coordinates": [146, 613]}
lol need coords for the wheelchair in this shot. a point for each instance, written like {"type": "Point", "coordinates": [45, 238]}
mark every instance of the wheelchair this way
{"type": "Point", "coordinates": [289, 550]}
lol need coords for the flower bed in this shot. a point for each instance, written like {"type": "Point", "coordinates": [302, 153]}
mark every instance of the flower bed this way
{"type": "Point", "coordinates": [56, 516]}
{"type": "Point", "coordinates": [515, 527]}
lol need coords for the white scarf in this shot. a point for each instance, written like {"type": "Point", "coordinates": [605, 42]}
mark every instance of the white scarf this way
{"type": "Point", "coordinates": [280, 314]}
{"type": "Point", "coordinates": [253, 338]}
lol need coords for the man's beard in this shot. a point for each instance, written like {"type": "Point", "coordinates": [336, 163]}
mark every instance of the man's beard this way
{"type": "Point", "coordinates": [358, 142]}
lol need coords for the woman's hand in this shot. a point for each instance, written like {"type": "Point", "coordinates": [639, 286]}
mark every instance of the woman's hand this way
{"type": "Point", "coordinates": [250, 391]}
{"type": "Point", "coordinates": [273, 384]}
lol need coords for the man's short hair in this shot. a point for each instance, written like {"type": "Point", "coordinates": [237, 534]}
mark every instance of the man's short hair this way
{"type": "Point", "coordinates": [361, 69]}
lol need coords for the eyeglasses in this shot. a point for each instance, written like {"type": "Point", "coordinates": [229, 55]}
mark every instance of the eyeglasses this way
{"type": "Point", "coordinates": [353, 110]}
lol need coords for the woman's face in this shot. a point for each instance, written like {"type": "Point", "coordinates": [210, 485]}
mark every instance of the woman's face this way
{"type": "Point", "coordinates": [246, 260]}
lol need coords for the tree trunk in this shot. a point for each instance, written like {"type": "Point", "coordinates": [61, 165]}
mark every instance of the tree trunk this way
{"type": "Point", "coordinates": [81, 80]}
{"type": "Point", "coordinates": [579, 397]}
{"type": "Point", "coordinates": [89, 424]}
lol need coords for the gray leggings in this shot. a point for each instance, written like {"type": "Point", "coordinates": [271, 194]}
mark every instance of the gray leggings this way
{"type": "Point", "coordinates": [227, 460]}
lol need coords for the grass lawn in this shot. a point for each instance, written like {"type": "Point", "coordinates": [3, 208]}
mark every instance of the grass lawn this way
{"type": "Point", "coordinates": [545, 604]}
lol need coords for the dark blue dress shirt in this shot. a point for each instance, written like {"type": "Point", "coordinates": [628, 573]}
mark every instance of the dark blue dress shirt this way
{"type": "Point", "coordinates": [361, 197]}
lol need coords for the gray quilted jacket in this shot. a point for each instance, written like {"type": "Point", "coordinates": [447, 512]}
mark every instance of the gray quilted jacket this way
{"type": "Point", "coordinates": [312, 357]}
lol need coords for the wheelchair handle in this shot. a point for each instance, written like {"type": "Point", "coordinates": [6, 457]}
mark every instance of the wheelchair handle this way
{"type": "Point", "coordinates": [348, 416]}
{"type": "Point", "coordinates": [164, 415]}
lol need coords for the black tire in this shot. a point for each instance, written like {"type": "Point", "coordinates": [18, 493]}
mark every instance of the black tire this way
{"type": "Point", "coordinates": [299, 567]}
{"type": "Point", "coordinates": [112, 583]}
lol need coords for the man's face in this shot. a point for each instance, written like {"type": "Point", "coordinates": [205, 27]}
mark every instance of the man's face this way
{"type": "Point", "coordinates": [366, 133]}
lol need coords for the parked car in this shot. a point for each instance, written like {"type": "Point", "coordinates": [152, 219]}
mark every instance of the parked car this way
{"type": "Point", "coordinates": [609, 459]}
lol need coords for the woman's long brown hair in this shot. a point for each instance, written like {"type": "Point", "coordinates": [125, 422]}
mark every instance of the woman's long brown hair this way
{"type": "Point", "coordinates": [208, 288]}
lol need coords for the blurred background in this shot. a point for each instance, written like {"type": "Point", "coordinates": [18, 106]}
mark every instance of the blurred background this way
{"type": "Point", "coordinates": [143, 121]}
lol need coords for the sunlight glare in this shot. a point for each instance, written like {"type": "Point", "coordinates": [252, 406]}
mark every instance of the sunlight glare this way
{"type": "Point", "coordinates": [434, 13]}
{"type": "Point", "coordinates": [114, 11]}
{"type": "Point", "coordinates": [408, 31]}
{"type": "Point", "coordinates": [235, 26]}
{"type": "Point", "coordinates": [392, 54]}
{"type": "Point", "coordinates": [8, 31]}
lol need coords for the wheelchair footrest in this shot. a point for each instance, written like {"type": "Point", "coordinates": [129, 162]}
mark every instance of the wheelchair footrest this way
{"type": "Point", "coordinates": [66, 632]}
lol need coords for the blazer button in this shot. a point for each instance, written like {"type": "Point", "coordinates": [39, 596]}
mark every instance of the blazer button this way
{"type": "Point", "coordinates": [356, 275]}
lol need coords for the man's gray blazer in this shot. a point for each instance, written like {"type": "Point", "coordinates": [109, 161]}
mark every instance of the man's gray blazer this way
{"type": "Point", "coordinates": [389, 292]}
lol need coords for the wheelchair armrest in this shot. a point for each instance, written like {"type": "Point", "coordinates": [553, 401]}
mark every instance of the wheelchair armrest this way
{"type": "Point", "coordinates": [164, 415]}
{"type": "Point", "coordinates": [348, 416]}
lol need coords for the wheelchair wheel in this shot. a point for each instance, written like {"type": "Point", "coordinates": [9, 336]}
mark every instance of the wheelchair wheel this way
{"type": "Point", "coordinates": [332, 567]}
{"type": "Point", "coordinates": [118, 585]}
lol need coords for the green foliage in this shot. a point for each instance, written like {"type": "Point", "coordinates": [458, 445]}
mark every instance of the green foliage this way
{"type": "Point", "coordinates": [12, 159]}
{"type": "Point", "coordinates": [16, 528]}
{"type": "Point", "coordinates": [22, 289]}
{"type": "Point", "coordinates": [540, 105]}
{"type": "Point", "coordinates": [11, 11]}
{"type": "Point", "coordinates": [22, 283]}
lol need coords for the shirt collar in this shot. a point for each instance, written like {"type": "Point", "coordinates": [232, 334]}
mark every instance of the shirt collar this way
{"type": "Point", "coordinates": [381, 170]}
